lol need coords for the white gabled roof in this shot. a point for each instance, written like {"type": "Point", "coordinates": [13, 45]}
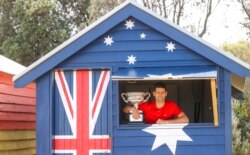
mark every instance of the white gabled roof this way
{"type": "Point", "coordinates": [9, 66]}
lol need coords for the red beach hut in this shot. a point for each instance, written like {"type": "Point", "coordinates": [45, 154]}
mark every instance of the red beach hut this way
{"type": "Point", "coordinates": [17, 112]}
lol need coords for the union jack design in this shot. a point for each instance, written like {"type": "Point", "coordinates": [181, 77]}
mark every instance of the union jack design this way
{"type": "Point", "coordinates": [82, 109]}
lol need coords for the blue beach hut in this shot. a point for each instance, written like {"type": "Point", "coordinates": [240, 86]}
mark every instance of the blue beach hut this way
{"type": "Point", "coordinates": [79, 86]}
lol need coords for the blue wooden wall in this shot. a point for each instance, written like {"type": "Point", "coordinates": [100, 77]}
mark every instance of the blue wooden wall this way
{"type": "Point", "coordinates": [149, 52]}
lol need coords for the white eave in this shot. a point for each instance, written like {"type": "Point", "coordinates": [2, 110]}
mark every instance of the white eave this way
{"type": "Point", "coordinates": [9, 66]}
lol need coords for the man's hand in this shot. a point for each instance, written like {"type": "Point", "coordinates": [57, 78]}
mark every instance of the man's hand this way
{"type": "Point", "coordinates": [135, 113]}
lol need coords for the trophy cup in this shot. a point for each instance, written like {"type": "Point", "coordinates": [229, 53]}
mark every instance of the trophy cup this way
{"type": "Point", "coordinates": [134, 98]}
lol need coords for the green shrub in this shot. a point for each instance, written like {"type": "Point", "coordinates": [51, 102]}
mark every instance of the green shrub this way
{"type": "Point", "coordinates": [241, 126]}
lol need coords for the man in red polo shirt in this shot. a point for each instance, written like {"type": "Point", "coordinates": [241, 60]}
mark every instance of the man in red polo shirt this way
{"type": "Point", "coordinates": [160, 111]}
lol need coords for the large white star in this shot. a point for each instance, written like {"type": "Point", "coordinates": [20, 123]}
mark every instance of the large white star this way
{"type": "Point", "coordinates": [129, 24]}
{"type": "Point", "coordinates": [170, 46]}
{"type": "Point", "coordinates": [131, 59]}
{"type": "Point", "coordinates": [108, 40]}
{"type": "Point", "coordinates": [167, 135]}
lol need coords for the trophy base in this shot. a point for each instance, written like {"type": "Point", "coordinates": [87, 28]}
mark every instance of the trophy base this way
{"type": "Point", "coordinates": [139, 120]}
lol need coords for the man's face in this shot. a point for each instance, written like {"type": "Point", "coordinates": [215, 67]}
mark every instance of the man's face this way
{"type": "Point", "coordinates": [160, 94]}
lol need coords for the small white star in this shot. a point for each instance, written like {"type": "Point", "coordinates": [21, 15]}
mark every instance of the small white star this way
{"type": "Point", "coordinates": [129, 24]}
{"type": "Point", "coordinates": [168, 136]}
{"type": "Point", "coordinates": [143, 35]}
{"type": "Point", "coordinates": [131, 59]}
{"type": "Point", "coordinates": [108, 40]}
{"type": "Point", "coordinates": [170, 46]}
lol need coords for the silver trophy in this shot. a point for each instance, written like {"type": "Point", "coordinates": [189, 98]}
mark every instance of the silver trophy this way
{"type": "Point", "coordinates": [134, 98]}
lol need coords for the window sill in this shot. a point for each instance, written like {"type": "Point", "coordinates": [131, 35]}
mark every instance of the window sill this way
{"type": "Point", "coordinates": [135, 126]}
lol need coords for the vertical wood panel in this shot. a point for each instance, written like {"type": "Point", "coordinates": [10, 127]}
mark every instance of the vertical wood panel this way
{"type": "Point", "coordinates": [43, 116]}
{"type": "Point", "coordinates": [214, 102]}
{"type": "Point", "coordinates": [228, 112]}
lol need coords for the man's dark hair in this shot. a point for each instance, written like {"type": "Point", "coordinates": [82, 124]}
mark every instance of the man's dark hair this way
{"type": "Point", "coordinates": [160, 85]}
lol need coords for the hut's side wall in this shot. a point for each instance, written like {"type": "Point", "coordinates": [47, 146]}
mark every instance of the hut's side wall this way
{"type": "Point", "coordinates": [17, 117]}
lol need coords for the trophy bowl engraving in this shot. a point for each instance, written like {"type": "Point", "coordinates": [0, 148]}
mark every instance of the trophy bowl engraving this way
{"type": "Point", "coordinates": [135, 97]}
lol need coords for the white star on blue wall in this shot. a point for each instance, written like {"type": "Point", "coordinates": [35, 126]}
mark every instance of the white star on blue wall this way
{"type": "Point", "coordinates": [143, 35]}
{"type": "Point", "coordinates": [168, 136]}
{"type": "Point", "coordinates": [131, 59]}
{"type": "Point", "coordinates": [108, 40]}
{"type": "Point", "coordinates": [129, 24]}
{"type": "Point", "coordinates": [170, 46]}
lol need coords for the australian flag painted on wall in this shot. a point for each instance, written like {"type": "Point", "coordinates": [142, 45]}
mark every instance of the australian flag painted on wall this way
{"type": "Point", "coordinates": [80, 117]}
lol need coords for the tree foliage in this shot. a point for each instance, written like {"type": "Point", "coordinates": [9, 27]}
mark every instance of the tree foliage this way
{"type": "Point", "coordinates": [242, 51]}
{"type": "Point", "coordinates": [33, 37]}
{"type": "Point", "coordinates": [241, 126]}
{"type": "Point", "coordinates": [73, 12]}
{"type": "Point", "coordinates": [98, 8]}
{"type": "Point", "coordinates": [5, 21]}
{"type": "Point", "coordinates": [31, 28]}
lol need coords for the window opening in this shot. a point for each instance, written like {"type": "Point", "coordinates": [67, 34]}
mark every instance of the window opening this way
{"type": "Point", "coordinates": [196, 97]}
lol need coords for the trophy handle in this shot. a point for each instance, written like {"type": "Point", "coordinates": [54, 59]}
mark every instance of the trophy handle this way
{"type": "Point", "coordinates": [148, 96]}
{"type": "Point", "coordinates": [123, 95]}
